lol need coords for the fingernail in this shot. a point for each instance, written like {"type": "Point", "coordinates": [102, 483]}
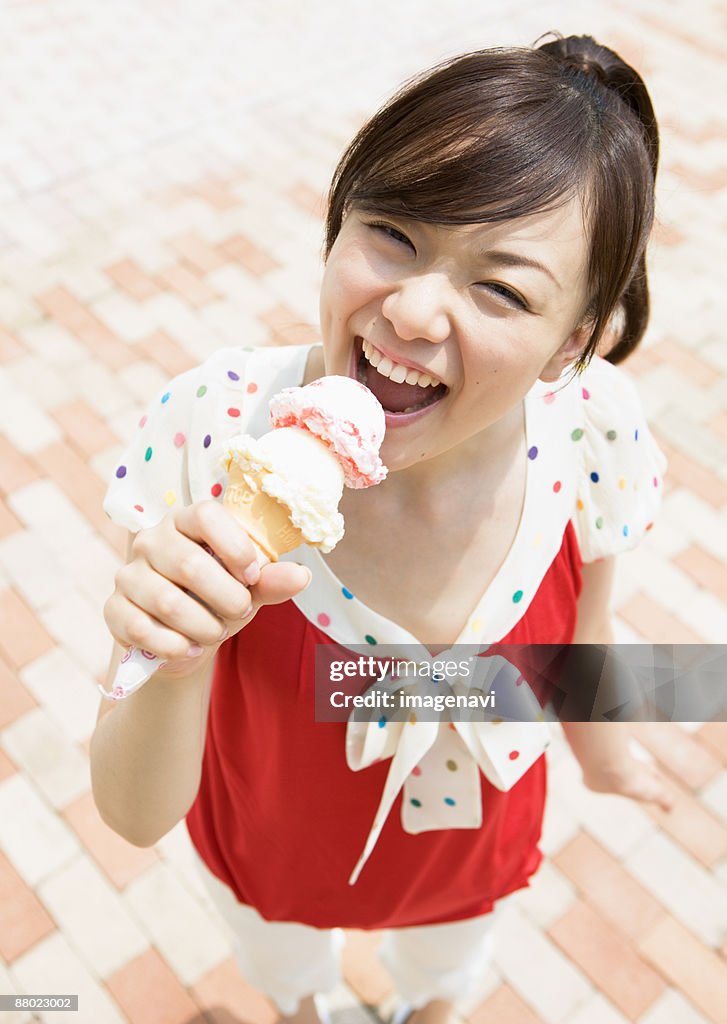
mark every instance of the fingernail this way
{"type": "Point", "coordinates": [194, 651]}
{"type": "Point", "coordinates": [251, 575]}
{"type": "Point", "coordinates": [224, 635]}
{"type": "Point", "coordinates": [308, 573]}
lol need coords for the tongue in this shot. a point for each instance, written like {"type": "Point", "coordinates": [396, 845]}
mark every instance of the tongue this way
{"type": "Point", "coordinates": [395, 397]}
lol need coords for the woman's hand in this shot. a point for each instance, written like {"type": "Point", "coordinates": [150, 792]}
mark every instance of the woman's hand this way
{"type": "Point", "coordinates": [191, 582]}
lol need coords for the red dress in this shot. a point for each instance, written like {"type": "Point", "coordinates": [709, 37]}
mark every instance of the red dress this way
{"type": "Point", "coordinates": [280, 818]}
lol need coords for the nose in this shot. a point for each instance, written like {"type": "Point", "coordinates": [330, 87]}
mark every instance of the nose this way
{"type": "Point", "coordinates": [419, 307]}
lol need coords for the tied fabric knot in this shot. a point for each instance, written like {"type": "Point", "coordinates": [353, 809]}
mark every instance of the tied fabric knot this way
{"type": "Point", "coordinates": [445, 790]}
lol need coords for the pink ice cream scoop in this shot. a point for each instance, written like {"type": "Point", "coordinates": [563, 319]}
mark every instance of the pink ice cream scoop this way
{"type": "Point", "coordinates": [346, 416]}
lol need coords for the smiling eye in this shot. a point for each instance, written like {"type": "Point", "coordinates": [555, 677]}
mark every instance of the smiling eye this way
{"type": "Point", "coordinates": [391, 232]}
{"type": "Point", "coordinates": [511, 297]}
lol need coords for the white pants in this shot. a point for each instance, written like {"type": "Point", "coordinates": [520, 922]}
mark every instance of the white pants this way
{"type": "Point", "coordinates": [290, 961]}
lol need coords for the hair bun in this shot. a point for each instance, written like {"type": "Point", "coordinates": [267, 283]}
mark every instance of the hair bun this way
{"type": "Point", "coordinates": [585, 66]}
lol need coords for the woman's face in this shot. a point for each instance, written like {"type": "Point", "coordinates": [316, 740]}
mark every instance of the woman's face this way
{"type": "Point", "coordinates": [451, 326]}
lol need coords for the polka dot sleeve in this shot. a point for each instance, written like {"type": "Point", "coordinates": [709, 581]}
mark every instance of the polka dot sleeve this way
{"type": "Point", "coordinates": [621, 468]}
{"type": "Point", "coordinates": [151, 475]}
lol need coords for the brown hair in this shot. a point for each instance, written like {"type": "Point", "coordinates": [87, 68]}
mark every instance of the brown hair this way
{"type": "Point", "coordinates": [503, 133]}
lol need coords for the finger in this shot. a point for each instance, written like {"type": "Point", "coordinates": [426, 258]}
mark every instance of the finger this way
{"type": "Point", "coordinates": [279, 582]}
{"type": "Point", "coordinates": [191, 567]}
{"type": "Point", "coordinates": [131, 626]}
{"type": "Point", "coordinates": [209, 522]}
{"type": "Point", "coordinates": [172, 606]}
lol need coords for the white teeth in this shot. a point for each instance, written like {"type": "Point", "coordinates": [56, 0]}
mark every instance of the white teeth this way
{"type": "Point", "coordinates": [395, 371]}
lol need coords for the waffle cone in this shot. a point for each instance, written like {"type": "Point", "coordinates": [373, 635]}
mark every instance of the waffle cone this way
{"type": "Point", "coordinates": [265, 519]}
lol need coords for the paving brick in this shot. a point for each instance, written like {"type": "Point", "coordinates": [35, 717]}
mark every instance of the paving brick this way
{"type": "Point", "coordinates": [608, 887]}
{"type": "Point", "coordinates": [654, 623]}
{"type": "Point", "coordinates": [251, 256]}
{"type": "Point", "coordinates": [23, 919]}
{"type": "Point", "coordinates": [536, 969]}
{"type": "Point", "coordinates": [224, 995]}
{"type": "Point", "coordinates": [597, 1010]}
{"type": "Point", "coordinates": [177, 924]}
{"type": "Point", "coordinates": [22, 637]}
{"type": "Point", "coordinates": [146, 989]}
{"type": "Point", "coordinates": [611, 963]}
{"type": "Point", "coordinates": [193, 289]}
{"type": "Point", "coordinates": [686, 759]}
{"type": "Point", "coordinates": [10, 347]}
{"type": "Point", "coordinates": [16, 700]}
{"type": "Point", "coordinates": [129, 276]}
{"type": "Point", "coordinates": [504, 1005]}
{"type": "Point", "coordinates": [685, 363]}
{"type": "Point", "coordinates": [54, 966]}
{"type": "Point", "coordinates": [698, 972]}
{"type": "Point", "coordinates": [33, 838]}
{"type": "Point", "coordinates": [691, 893]}
{"type": "Point", "coordinates": [92, 915]}
{"type": "Point", "coordinates": [692, 826]}
{"type": "Point", "coordinates": [119, 860]}
{"type": "Point", "coordinates": [76, 479]}
{"type": "Point", "coordinates": [23, 421]}
{"type": "Point", "coordinates": [548, 896]}
{"type": "Point", "coordinates": [84, 428]}
{"type": "Point", "coordinates": [57, 767]}
{"type": "Point", "coordinates": [287, 328]}
{"type": "Point", "coordinates": [17, 469]}
{"type": "Point", "coordinates": [77, 625]}
{"type": "Point", "coordinates": [685, 471]}
{"type": "Point", "coordinates": [166, 353]}
{"type": "Point", "coordinates": [8, 523]}
{"type": "Point", "coordinates": [714, 736]}
{"type": "Point", "coordinates": [197, 253]}
{"type": "Point", "coordinates": [7, 768]}
{"type": "Point", "coordinates": [673, 1008]}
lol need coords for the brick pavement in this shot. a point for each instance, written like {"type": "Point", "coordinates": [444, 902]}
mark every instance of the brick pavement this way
{"type": "Point", "coordinates": [161, 183]}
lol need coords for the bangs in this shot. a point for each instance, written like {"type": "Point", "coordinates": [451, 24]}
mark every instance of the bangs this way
{"type": "Point", "coordinates": [461, 147]}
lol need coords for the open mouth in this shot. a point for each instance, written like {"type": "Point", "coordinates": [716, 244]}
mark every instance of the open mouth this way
{"type": "Point", "coordinates": [400, 389]}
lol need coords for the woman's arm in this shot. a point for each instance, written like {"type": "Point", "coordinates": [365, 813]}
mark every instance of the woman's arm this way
{"type": "Point", "coordinates": [602, 748]}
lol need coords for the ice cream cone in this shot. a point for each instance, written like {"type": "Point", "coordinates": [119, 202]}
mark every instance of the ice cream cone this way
{"type": "Point", "coordinates": [266, 520]}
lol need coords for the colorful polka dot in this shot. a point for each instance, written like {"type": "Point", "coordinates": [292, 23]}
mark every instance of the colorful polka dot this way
{"type": "Point", "coordinates": [520, 680]}
{"type": "Point", "coordinates": [549, 398]}
{"type": "Point", "coordinates": [586, 393]}
{"type": "Point", "coordinates": [142, 422]}
{"type": "Point", "coordinates": [207, 441]}
{"type": "Point", "coordinates": [216, 490]}
{"type": "Point", "coordinates": [449, 801]}
{"type": "Point", "coordinates": [370, 639]}
{"type": "Point", "coordinates": [533, 452]}
{"type": "Point", "coordinates": [347, 593]}
{"type": "Point", "coordinates": [437, 677]}
{"type": "Point", "coordinates": [323, 619]}
{"type": "Point", "coordinates": [248, 348]}
{"type": "Point", "coordinates": [514, 755]}
{"type": "Point", "coordinates": [611, 435]}
{"type": "Point", "coordinates": [636, 435]}
{"type": "Point", "coordinates": [412, 719]}
{"type": "Point", "coordinates": [625, 531]}
{"type": "Point", "coordinates": [416, 771]}
{"type": "Point", "coordinates": [201, 391]}
{"type": "Point", "coordinates": [649, 526]}
{"type": "Point", "coordinates": [595, 477]}
{"type": "Point", "coordinates": [452, 765]}
{"type": "Point", "coordinates": [599, 523]}
{"type": "Point", "coordinates": [232, 375]}
{"type": "Point", "coordinates": [656, 481]}
{"type": "Point", "coordinates": [415, 803]}
{"type": "Point", "coordinates": [579, 505]}
{"type": "Point", "coordinates": [251, 388]}
{"type": "Point", "coordinates": [476, 625]}
{"type": "Point", "coordinates": [452, 726]}
{"type": "Point", "coordinates": [557, 486]}
{"type": "Point", "coordinates": [233, 412]}
{"type": "Point", "coordinates": [179, 440]}
{"type": "Point", "coordinates": [121, 472]}
{"type": "Point", "coordinates": [621, 484]}
{"type": "Point", "coordinates": [577, 434]}
{"type": "Point", "coordinates": [147, 454]}
{"type": "Point", "coordinates": [382, 722]}
{"type": "Point", "coordinates": [166, 397]}
{"type": "Point", "coordinates": [497, 721]}
{"type": "Point", "coordinates": [139, 508]}
{"type": "Point", "coordinates": [169, 498]}
{"type": "Point", "coordinates": [517, 597]}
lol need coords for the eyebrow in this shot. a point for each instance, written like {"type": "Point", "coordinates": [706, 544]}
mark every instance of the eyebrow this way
{"type": "Point", "coordinates": [511, 259]}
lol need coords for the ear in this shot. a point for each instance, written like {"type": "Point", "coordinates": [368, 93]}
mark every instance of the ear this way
{"type": "Point", "coordinates": [567, 353]}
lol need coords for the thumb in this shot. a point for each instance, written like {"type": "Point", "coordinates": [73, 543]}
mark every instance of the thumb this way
{"type": "Point", "coordinates": [280, 581]}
